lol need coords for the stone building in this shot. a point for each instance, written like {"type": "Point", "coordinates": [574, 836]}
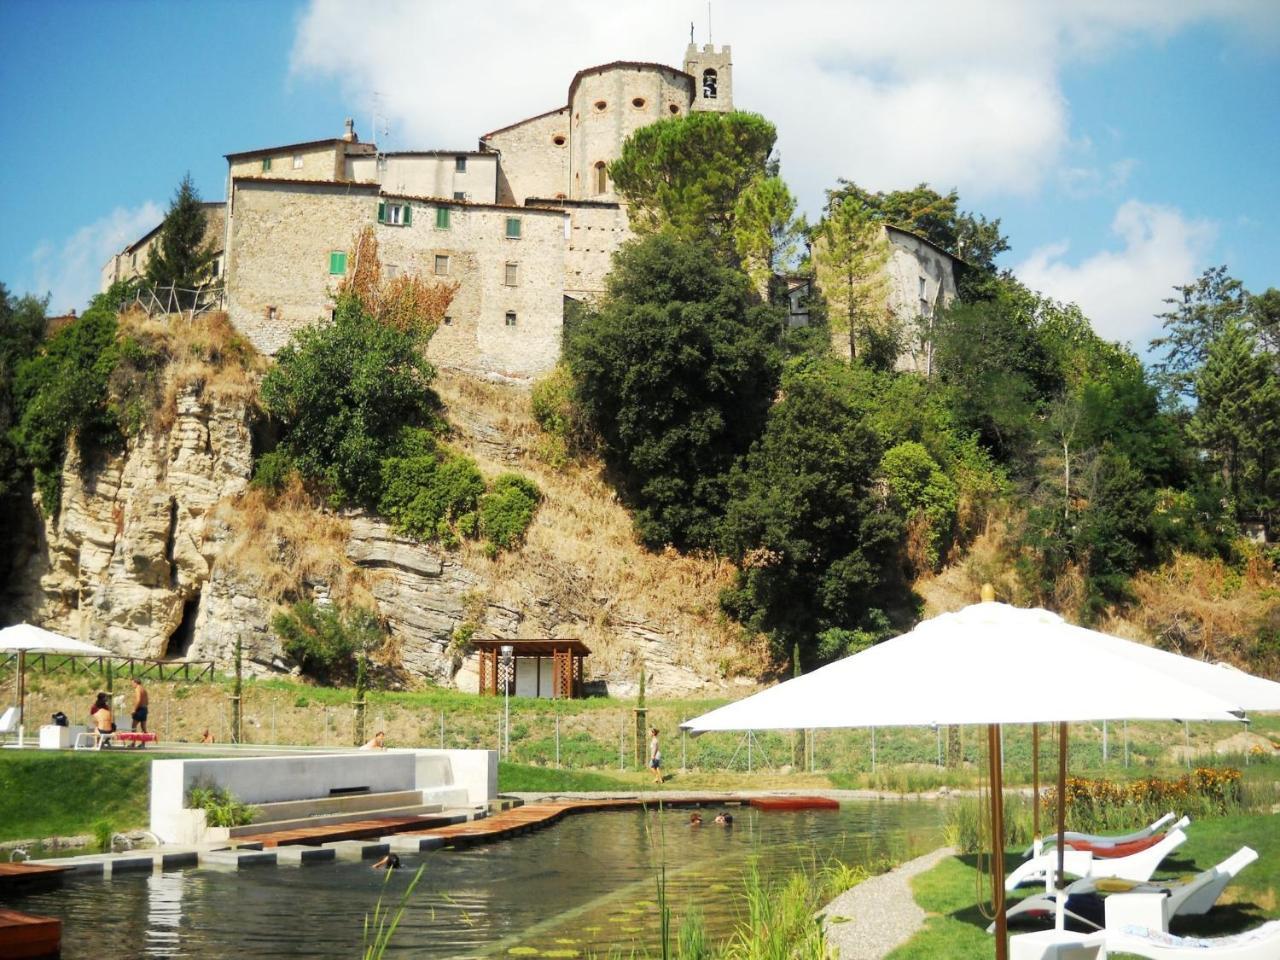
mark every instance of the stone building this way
{"type": "Point", "coordinates": [526, 223]}
{"type": "Point", "coordinates": [131, 262]}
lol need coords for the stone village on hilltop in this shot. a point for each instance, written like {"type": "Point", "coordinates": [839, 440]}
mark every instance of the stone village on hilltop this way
{"type": "Point", "coordinates": [525, 223]}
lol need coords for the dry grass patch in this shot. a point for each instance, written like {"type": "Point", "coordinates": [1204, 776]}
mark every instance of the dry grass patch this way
{"type": "Point", "coordinates": [581, 559]}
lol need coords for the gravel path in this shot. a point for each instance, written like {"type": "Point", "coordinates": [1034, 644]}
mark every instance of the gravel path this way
{"type": "Point", "coordinates": [882, 914]}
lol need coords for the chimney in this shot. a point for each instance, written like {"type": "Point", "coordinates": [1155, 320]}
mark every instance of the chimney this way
{"type": "Point", "coordinates": [350, 134]}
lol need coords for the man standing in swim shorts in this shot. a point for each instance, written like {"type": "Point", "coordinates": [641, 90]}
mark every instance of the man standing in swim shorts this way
{"type": "Point", "coordinates": [655, 755]}
{"type": "Point", "coordinates": [139, 715]}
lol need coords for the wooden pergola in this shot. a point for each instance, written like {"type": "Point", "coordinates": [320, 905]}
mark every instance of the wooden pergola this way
{"type": "Point", "coordinates": [561, 678]}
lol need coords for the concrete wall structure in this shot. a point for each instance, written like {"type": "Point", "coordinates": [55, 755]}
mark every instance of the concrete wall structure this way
{"type": "Point", "coordinates": [446, 776]}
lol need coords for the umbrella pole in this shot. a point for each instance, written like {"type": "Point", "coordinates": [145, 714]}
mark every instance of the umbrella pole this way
{"type": "Point", "coordinates": [22, 695]}
{"type": "Point", "coordinates": [995, 764]}
{"type": "Point", "coordinates": [1060, 912]}
{"type": "Point", "coordinates": [1035, 786]}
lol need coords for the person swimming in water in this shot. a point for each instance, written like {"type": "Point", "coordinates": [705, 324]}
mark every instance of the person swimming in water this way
{"type": "Point", "coordinates": [695, 819]}
{"type": "Point", "coordinates": [726, 819]}
{"type": "Point", "coordinates": [390, 862]}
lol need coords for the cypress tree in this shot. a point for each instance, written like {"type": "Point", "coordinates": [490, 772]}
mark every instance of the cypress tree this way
{"type": "Point", "coordinates": [180, 257]}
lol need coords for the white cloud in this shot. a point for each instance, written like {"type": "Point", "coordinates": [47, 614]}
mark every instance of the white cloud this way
{"type": "Point", "coordinates": [1121, 290]}
{"type": "Point", "coordinates": [964, 95]}
{"type": "Point", "coordinates": [72, 272]}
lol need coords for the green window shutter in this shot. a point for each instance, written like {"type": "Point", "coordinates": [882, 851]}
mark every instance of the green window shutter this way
{"type": "Point", "coordinates": [408, 214]}
{"type": "Point", "coordinates": [382, 213]}
{"type": "Point", "coordinates": [442, 218]}
{"type": "Point", "coordinates": [266, 164]}
{"type": "Point", "coordinates": [338, 263]}
{"type": "Point", "coordinates": [513, 227]}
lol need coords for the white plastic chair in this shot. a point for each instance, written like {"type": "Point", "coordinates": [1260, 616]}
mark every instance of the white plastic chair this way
{"type": "Point", "coordinates": [1261, 943]}
{"type": "Point", "coordinates": [9, 721]}
{"type": "Point", "coordinates": [1152, 904]}
{"type": "Point", "coordinates": [1082, 863]}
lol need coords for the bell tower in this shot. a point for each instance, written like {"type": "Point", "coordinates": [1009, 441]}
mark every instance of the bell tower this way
{"type": "Point", "coordinates": [712, 72]}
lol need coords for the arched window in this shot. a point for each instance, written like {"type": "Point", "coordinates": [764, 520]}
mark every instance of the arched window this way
{"type": "Point", "coordinates": [709, 84]}
{"type": "Point", "coordinates": [602, 177]}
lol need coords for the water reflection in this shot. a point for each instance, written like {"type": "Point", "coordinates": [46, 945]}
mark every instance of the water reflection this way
{"type": "Point", "coordinates": [164, 914]}
{"type": "Point", "coordinates": [585, 884]}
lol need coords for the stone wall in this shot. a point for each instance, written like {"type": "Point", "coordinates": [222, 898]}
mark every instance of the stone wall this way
{"type": "Point", "coordinates": [922, 282]}
{"type": "Point", "coordinates": [533, 163]}
{"type": "Point", "coordinates": [321, 162]}
{"type": "Point", "coordinates": [608, 105]}
{"type": "Point", "coordinates": [283, 234]}
{"type": "Point", "coordinates": [280, 240]}
{"type": "Point", "coordinates": [595, 234]}
{"type": "Point", "coordinates": [430, 174]}
{"type": "Point", "coordinates": [131, 262]}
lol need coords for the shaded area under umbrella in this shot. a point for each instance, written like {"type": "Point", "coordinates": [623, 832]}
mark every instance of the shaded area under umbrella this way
{"type": "Point", "coordinates": [995, 664]}
{"type": "Point", "coordinates": [23, 638]}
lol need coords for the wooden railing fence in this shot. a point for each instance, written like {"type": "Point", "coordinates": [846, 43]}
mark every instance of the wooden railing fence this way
{"type": "Point", "coordinates": [188, 671]}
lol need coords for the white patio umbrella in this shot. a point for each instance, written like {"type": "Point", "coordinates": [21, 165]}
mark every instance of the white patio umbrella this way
{"type": "Point", "coordinates": [23, 638]}
{"type": "Point", "coordinates": [993, 664]}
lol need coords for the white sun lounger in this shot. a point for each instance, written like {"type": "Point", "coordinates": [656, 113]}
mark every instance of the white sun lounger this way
{"type": "Point", "coordinates": [1261, 943]}
{"type": "Point", "coordinates": [1081, 863]}
{"type": "Point", "coordinates": [1152, 904]}
{"type": "Point", "coordinates": [1164, 823]}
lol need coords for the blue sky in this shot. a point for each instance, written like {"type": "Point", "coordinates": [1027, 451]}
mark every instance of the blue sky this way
{"type": "Point", "coordinates": [1126, 145]}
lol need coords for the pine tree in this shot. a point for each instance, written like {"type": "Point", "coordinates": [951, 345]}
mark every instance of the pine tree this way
{"type": "Point", "coordinates": [180, 256]}
{"type": "Point", "coordinates": [849, 257]}
{"type": "Point", "coordinates": [1237, 418]}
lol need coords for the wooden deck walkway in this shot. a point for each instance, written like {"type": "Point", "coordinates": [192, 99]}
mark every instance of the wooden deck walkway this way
{"type": "Point", "coordinates": [23, 935]}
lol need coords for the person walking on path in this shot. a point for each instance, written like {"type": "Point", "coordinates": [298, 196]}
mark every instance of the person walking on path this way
{"type": "Point", "coordinates": [655, 755]}
{"type": "Point", "coordinates": [139, 716]}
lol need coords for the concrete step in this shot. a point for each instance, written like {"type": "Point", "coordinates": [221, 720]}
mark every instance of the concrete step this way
{"type": "Point", "coordinates": [258, 827]}
{"type": "Point", "coordinates": [341, 804]}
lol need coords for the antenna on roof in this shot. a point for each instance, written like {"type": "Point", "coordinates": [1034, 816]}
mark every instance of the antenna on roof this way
{"type": "Point", "coordinates": [691, 33]}
{"type": "Point", "coordinates": [709, 21]}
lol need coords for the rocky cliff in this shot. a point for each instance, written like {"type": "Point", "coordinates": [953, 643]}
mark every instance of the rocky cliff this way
{"type": "Point", "coordinates": [162, 550]}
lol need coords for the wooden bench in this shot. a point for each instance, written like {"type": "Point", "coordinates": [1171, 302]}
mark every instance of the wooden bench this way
{"type": "Point", "coordinates": [89, 740]}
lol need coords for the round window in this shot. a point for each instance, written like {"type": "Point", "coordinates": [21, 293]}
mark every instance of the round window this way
{"type": "Point", "coordinates": [600, 104]}
{"type": "Point", "coordinates": [638, 102]}
{"type": "Point", "coordinates": [673, 108]}
{"type": "Point", "coordinates": [558, 139]}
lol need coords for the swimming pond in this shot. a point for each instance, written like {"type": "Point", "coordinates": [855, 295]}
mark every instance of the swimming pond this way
{"type": "Point", "coordinates": [584, 885]}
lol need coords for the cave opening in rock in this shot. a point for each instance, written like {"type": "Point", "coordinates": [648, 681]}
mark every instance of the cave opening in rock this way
{"type": "Point", "coordinates": [180, 640]}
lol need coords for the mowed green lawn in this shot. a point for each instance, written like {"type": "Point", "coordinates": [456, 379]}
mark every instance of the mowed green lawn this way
{"type": "Point", "coordinates": [56, 793]}
{"type": "Point", "coordinates": [957, 930]}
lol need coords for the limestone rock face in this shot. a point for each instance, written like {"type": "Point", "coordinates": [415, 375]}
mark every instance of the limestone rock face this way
{"type": "Point", "coordinates": [130, 547]}
{"type": "Point", "coordinates": [140, 561]}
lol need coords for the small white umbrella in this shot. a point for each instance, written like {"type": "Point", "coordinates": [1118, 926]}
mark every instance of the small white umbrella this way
{"type": "Point", "coordinates": [993, 664]}
{"type": "Point", "coordinates": [23, 638]}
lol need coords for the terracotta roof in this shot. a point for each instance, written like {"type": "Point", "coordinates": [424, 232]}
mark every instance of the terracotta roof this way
{"type": "Point", "coordinates": [249, 178]}
{"type": "Point", "coordinates": [564, 202]}
{"type": "Point", "coordinates": [541, 647]}
{"type": "Point", "coordinates": [328, 141]}
{"type": "Point", "coordinates": [626, 64]}
{"type": "Point", "coordinates": [450, 202]}
{"type": "Point", "coordinates": [512, 126]}
{"type": "Point", "coordinates": [440, 153]}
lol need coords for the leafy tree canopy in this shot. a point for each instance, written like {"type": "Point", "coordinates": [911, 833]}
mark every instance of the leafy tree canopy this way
{"type": "Point", "coordinates": [343, 391]}
{"type": "Point", "coordinates": [1199, 312]}
{"type": "Point", "coordinates": [180, 256]}
{"type": "Point", "coordinates": [689, 174]}
{"type": "Point", "coordinates": [675, 369]}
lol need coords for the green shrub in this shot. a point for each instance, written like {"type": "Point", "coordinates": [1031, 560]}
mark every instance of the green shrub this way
{"type": "Point", "coordinates": [344, 391]}
{"type": "Point", "coordinates": [921, 489]}
{"type": "Point", "coordinates": [556, 410]}
{"type": "Point", "coordinates": [272, 471]}
{"type": "Point", "coordinates": [323, 642]}
{"type": "Point", "coordinates": [103, 834]}
{"type": "Point", "coordinates": [507, 510]}
{"type": "Point", "coordinates": [425, 486]}
{"type": "Point", "coordinates": [221, 807]}
{"type": "Point", "coordinates": [62, 392]}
